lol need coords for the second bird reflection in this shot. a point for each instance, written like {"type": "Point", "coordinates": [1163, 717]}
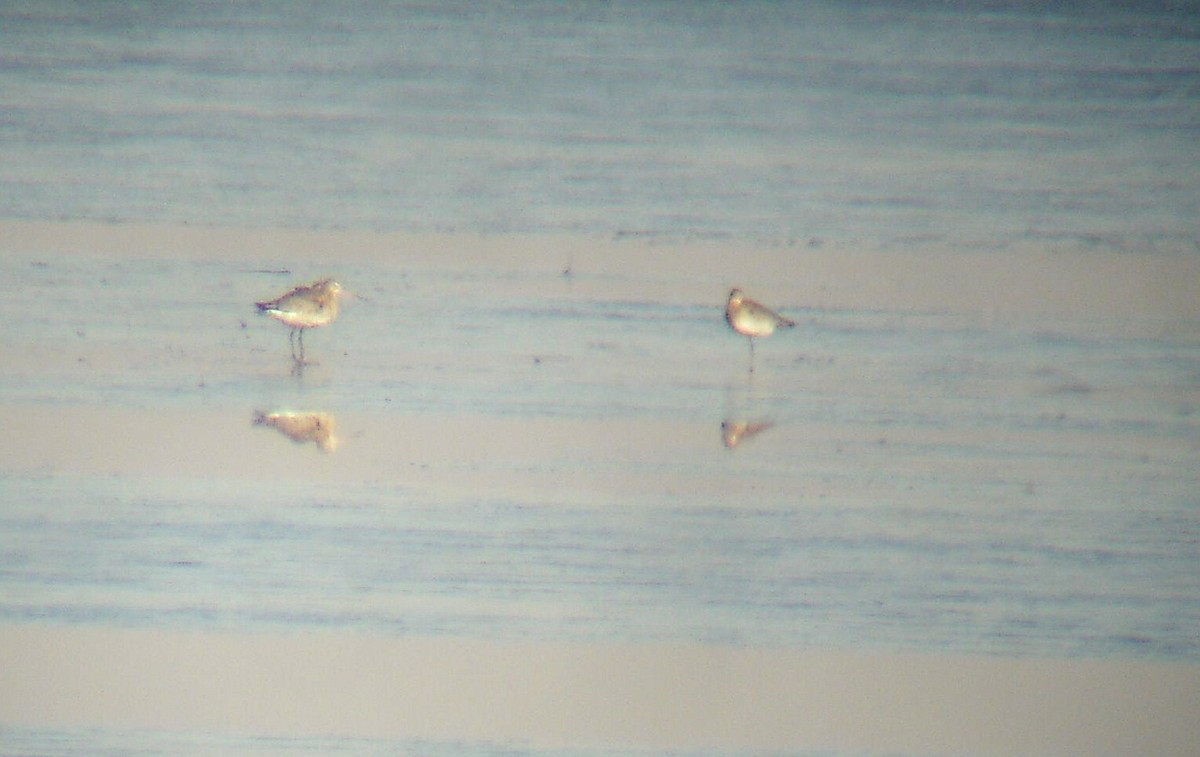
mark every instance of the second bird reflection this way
{"type": "Point", "coordinates": [734, 432]}
{"type": "Point", "coordinates": [302, 427]}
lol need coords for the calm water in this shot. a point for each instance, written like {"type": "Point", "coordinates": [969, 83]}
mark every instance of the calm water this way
{"type": "Point", "coordinates": [891, 123]}
{"type": "Point", "coordinates": [983, 490]}
{"type": "Point", "coordinates": [926, 485]}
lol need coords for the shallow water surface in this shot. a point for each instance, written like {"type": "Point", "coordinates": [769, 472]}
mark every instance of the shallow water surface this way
{"type": "Point", "coordinates": [560, 467]}
{"type": "Point", "coordinates": [980, 440]}
{"type": "Point", "coordinates": [893, 123]}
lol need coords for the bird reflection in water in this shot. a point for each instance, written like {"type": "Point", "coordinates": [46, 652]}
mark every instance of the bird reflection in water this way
{"type": "Point", "coordinates": [302, 427]}
{"type": "Point", "coordinates": [734, 432]}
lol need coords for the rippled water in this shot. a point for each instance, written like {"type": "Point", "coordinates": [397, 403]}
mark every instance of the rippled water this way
{"type": "Point", "coordinates": [551, 465]}
{"type": "Point", "coordinates": [892, 123]}
{"type": "Point", "coordinates": [923, 485]}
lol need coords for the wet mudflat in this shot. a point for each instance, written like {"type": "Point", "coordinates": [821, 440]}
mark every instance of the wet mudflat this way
{"type": "Point", "coordinates": [566, 451]}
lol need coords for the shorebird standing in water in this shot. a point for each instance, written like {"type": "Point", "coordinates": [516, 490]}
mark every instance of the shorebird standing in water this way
{"type": "Point", "coordinates": [305, 307]}
{"type": "Point", "coordinates": [751, 319]}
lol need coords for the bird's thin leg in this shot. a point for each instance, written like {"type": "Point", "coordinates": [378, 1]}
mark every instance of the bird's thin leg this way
{"type": "Point", "coordinates": [751, 339]}
{"type": "Point", "coordinates": [301, 345]}
{"type": "Point", "coordinates": [292, 342]}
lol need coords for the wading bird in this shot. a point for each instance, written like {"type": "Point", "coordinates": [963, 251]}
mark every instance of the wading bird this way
{"type": "Point", "coordinates": [305, 307]}
{"type": "Point", "coordinates": [751, 319]}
